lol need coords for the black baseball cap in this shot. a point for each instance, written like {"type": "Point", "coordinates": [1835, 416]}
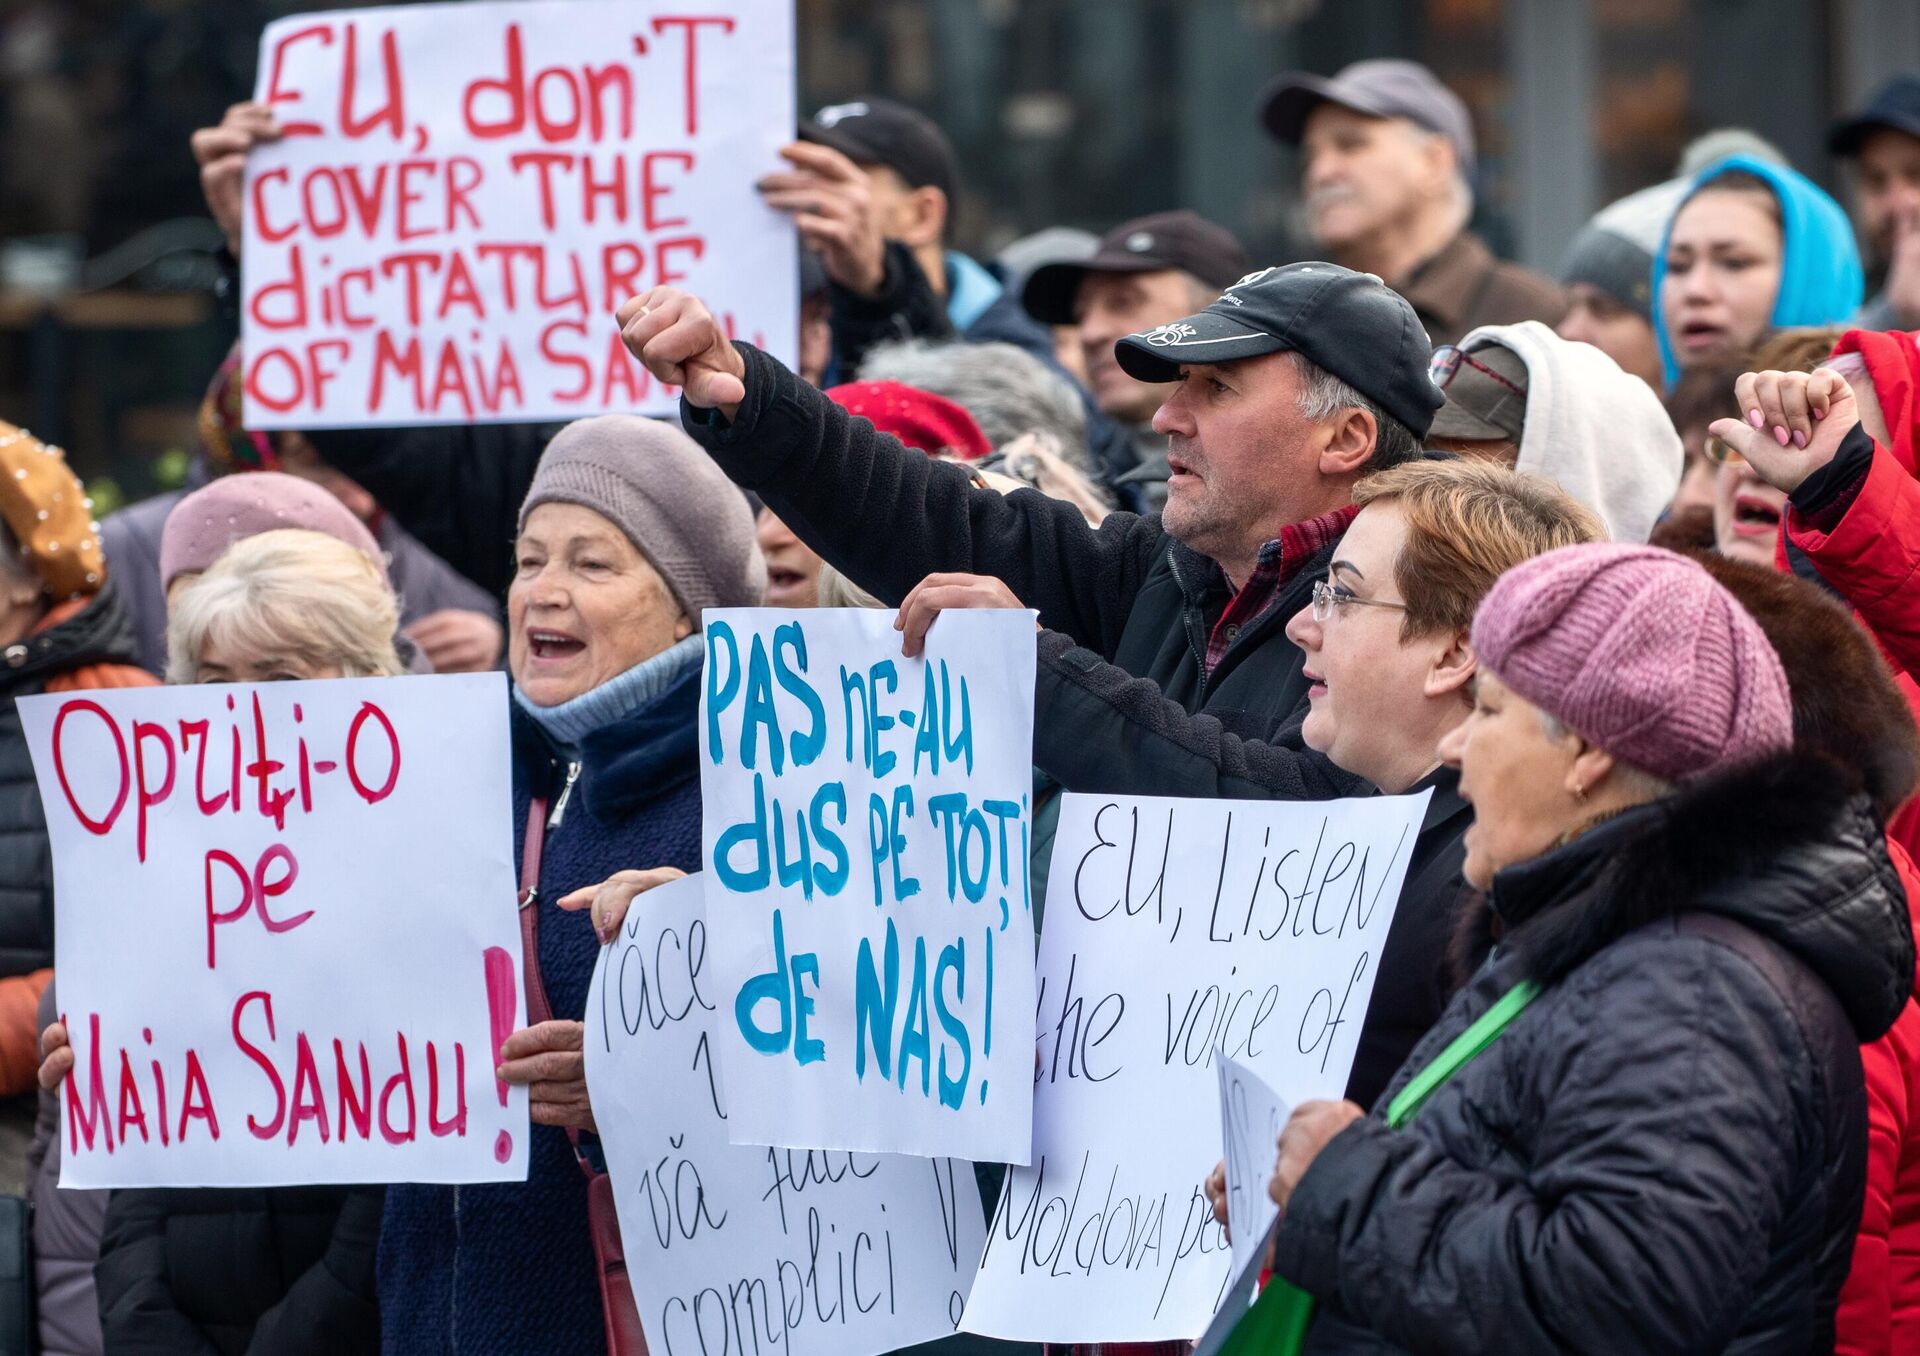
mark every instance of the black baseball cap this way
{"type": "Point", "coordinates": [1350, 324]}
{"type": "Point", "coordinates": [1895, 104]}
{"type": "Point", "coordinates": [882, 132]}
{"type": "Point", "coordinates": [1150, 244]}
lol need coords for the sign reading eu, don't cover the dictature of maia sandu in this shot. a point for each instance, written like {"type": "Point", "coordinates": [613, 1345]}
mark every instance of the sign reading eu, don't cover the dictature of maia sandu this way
{"type": "Point", "coordinates": [463, 194]}
{"type": "Point", "coordinates": [867, 831]}
{"type": "Point", "coordinates": [285, 931]}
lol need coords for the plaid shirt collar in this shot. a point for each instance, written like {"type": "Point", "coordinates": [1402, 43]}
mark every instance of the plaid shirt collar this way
{"type": "Point", "coordinates": [1280, 560]}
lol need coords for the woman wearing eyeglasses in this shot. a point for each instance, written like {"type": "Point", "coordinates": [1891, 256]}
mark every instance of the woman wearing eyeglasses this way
{"type": "Point", "coordinates": [1386, 653]}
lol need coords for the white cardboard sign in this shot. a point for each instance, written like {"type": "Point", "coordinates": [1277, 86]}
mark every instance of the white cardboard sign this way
{"type": "Point", "coordinates": [286, 936]}
{"type": "Point", "coordinates": [1175, 930]}
{"type": "Point", "coordinates": [1251, 1118]}
{"type": "Point", "coordinates": [867, 832]}
{"type": "Point", "coordinates": [740, 1249]}
{"type": "Point", "coordinates": [465, 193]}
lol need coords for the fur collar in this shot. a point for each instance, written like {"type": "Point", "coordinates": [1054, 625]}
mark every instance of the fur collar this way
{"type": "Point", "coordinates": [1787, 848]}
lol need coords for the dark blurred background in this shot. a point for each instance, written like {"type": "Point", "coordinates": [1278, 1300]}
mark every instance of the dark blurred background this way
{"type": "Point", "coordinates": [1073, 112]}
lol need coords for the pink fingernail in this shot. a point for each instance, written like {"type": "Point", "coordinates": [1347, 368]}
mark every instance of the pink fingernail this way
{"type": "Point", "coordinates": [1755, 418]}
{"type": "Point", "coordinates": [1780, 434]}
{"type": "Point", "coordinates": [1799, 438]}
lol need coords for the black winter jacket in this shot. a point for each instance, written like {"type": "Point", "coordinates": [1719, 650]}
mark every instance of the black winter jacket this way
{"type": "Point", "coordinates": [456, 488]}
{"type": "Point", "coordinates": [277, 1271]}
{"type": "Point", "coordinates": [1665, 1152]}
{"type": "Point", "coordinates": [887, 517]}
{"type": "Point", "coordinates": [99, 634]}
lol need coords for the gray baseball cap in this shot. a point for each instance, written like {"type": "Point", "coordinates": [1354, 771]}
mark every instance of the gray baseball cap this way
{"type": "Point", "coordinates": [1381, 88]}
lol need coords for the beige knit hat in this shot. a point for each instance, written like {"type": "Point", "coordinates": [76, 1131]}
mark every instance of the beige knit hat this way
{"type": "Point", "coordinates": [656, 485]}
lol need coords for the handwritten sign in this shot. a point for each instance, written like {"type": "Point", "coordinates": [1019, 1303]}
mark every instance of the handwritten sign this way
{"type": "Point", "coordinates": [286, 936]}
{"type": "Point", "coordinates": [736, 1249]}
{"type": "Point", "coordinates": [1251, 1117]}
{"type": "Point", "coordinates": [867, 830]}
{"type": "Point", "coordinates": [464, 194]}
{"type": "Point", "coordinates": [1177, 930]}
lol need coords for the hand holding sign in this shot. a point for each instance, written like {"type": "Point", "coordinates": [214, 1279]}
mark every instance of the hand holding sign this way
{"type": "Point", "coordinates": [1309, 1130]}
{"type": "Point", "coordinates": [221, 153]}
{"type": "Point", "coordinates": [677, 339]}
{"type": "Point", "coordinates": [939, 593]}
{"type": "Point", "coordinates": [832, 204]}
{"type": "Point", "coordinates": [56, 1056]}
{"type": "Point", "coordinates": [545, 1059]}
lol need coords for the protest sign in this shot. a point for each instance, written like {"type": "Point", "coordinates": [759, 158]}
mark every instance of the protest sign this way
{"type": "Point", "coordinates": [463, 194]}
{"type": "Point", "coordinates": [738, 1249]}
{"type": "Point", "coordinates": [286, 937]}
{"type": "Point", "coordinates": [1177, 930]}
{"type": "Point", "coordinates": [867, 828]}
{"type": "Point", "coordinates": [1251, 1116]}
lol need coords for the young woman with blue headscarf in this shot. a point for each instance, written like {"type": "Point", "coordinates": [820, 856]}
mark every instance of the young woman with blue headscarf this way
{"type": "Point", "coordinates": [1753, 247]}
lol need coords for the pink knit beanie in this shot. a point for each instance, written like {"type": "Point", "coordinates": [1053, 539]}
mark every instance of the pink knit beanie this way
{"type": "Point", "coordinates": [204, 524]}
{"type": "Point", "coordinates": [1640, 652]}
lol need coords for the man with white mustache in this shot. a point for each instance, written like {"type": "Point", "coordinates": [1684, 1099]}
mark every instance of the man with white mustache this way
{"type": "Point", "coordinates": [1386, 168]}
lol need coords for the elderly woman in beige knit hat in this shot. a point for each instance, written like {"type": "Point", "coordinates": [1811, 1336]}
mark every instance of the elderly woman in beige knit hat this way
{"type": "Point", "coordinates": [628, 533]}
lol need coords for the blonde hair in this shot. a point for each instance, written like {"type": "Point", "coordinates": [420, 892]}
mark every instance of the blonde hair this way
{"type": "Point", "coordinates": [1468, 523]}
{"type": "Point", "coordinates": [288, 592]}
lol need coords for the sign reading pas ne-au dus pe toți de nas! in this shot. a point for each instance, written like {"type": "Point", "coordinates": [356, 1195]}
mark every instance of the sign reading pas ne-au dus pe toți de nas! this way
{"type": "Point", "coordinates": [867, 831]}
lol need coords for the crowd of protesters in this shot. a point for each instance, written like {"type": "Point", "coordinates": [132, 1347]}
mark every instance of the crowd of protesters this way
{"type": "Point", "coordinates": [1616, 565]}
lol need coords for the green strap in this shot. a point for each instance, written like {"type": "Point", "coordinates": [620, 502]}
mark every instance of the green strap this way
{"type": "Point", "coordinates": [1463, 1047]}
{"type": "Point", "coordinates": [1277, 1323]}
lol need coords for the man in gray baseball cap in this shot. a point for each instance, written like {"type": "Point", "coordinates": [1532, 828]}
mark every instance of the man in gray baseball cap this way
{"type": "Point", "coordinates": [1386, 166]}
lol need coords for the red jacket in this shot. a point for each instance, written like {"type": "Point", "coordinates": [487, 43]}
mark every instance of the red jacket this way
{"type": "Point", "coordinates": [1872, 556]}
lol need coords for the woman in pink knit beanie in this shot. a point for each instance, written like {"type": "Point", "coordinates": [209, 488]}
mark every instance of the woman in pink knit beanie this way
{"type": "Point", "coordinates": [1641, 1125]}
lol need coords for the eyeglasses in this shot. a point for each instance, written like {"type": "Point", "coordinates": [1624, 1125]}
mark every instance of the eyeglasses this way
{"type": "Point", "coordinates": [1327, 596]}
{"type": "Point", "coordinates": [1447, 361]}
{"type": "Point", "coordinates": [1718, 451]}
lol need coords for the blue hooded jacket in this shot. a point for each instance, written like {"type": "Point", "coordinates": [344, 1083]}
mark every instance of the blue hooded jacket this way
{"type": "Point", "coordinates": [1820, 278]}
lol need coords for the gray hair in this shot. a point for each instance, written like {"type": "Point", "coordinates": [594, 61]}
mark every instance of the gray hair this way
{"type": "Point", "coordinates": [1007, 390]}
{"type": "Point", "coordinates": [1323, 395]}
{"type": "Point", "coordinates": [1644, 785]}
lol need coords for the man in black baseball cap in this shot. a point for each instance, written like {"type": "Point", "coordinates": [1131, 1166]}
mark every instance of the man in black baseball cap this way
{"type": "Point", "coordinates": [1144, 272]}
{"type": "Point", "coordinates": [1386, 167]}
{"type": "Point", "coordinates": [1883, 142]}
{"type": "Point", "coordinates": [1286, 391]}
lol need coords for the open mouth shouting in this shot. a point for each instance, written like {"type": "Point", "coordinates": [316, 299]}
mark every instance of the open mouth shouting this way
{"type": "Point", "coordinates": [545, 645]}
{"type": "Point", "coordinates": [1754, 515]}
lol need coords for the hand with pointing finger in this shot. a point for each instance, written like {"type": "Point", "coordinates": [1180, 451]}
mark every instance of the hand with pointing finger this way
{"type": "Point", "coordinates": [677, 339]}
{"type": "Point", "coordinates": [938, 593]}
{"type": "Point", "coordinates": [1792, 424]}
{"type": "Point", "coordinates": [607, 902]}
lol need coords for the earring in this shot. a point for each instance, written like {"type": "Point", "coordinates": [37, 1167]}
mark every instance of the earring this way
{"type": "Point", "coordinates": [1580, 793]}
